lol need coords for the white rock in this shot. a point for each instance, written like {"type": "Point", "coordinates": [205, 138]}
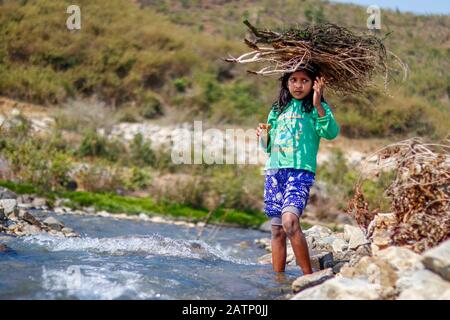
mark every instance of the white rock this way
{"type": "Point", "coordinates": [339, 245]}
{"type": "Point", "coordinates": [144, 217]}
{"type": "Point", "coordinates": [310, 280]}
{"type": "Point", "coordinates": [437, 259]}
{"type": "Point", "coordinates": [39, 202]}
{"type": "Point", "coordinates": [402, 259]}
{"type": "Point", "coordinates": [320, 230]}
{"type": "Point", "coordinates": [67, 230]}
{"type": "Point", "coordinates": [348, 231]}
{"type": "Point", "coordinates": [341, 289]}
{"type": "Point", "coordinates": [8, 205]}
{"type": "Point", "coordinates": [104, 214]}
{"type": "Point", "coordinates": [58, 210]}
{"type": "Point", "coordinates": [423, 285]}
{"type": "Point", "coordinates": [157, 219]}
{"type": "Point", "coordinates": [355, 236]}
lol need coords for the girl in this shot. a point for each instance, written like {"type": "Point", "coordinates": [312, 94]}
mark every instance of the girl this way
{"type": "Point", "coordinates": [294, 127]}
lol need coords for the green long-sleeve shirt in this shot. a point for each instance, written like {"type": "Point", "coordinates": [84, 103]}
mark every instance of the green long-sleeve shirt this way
{"type": "Point", "coordinates": [294, 136]}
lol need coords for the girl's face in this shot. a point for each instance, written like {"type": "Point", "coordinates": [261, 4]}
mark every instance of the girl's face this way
{"type": "Point", "coordinates": [299, 84]}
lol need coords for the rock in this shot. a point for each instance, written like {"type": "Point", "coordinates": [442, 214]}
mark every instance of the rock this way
{"type": "Point", "coordinates": [90, 210]}
{"type": "Point", "coordinates": [437, 259]}
{"type": "Point", "coordinates": [25, 199]}
{"type": "Point", "coordinates": [354, 236]}
{"type": "Point", "coordinates": [376, 271]}
{"type": "Point", "coordinates": [156, 219]}
{"type": "Point", "coordinates": [338, 266]}
{"type": "Point", "coordinates": [28, 217]}
{"type": "Point", "coordinates": [402, 259]}
{"type": "Point", "coordinates": [71, 235]}
{"type": "Point", "coordinates": [321, 231]}
{"type": "Point", "coordinates": [7, 194]}
{"type": "Point", "coordinates": [2, 214]}
{"type": "Point", "coordinates": [423, 285]}
{"type": "Point", "coordinates": [14, 216]}
{"type": "Point", "coordinates": [59, 210]}
{"type": "Point", "coordinates": [54, 224]}
{"type": "Point", "coordinates": [66, 230]}
{"type": "Point", "coordinates": [8, 205]}
{"type": "Point", "coordinates": [363, 250]}
{"type": "Point", "coordinates": [266, 226]}
{"type": "Point", "coordinates": [143, 216]}
{"type": "Point", "coordinates": [31, 229]}
{"type": "Point", "coordinates": [39, 202]}
{"type": "Point", "coordinates": [339, 245]}
{"type": "Point", "coordinates": [340, 289]}
{"type": "Point", "coordinates": [311, 280]}
{"type": "Point", "coordinates": [104, 214]}
{"type": "Point", "coordinates": [322, 261]}
{"type": "Point", "coordinates": [381, 239]}
{"type": "Point", "coordinates": [263, 243]}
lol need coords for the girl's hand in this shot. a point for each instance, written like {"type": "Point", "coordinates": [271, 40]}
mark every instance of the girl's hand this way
{"type": "Point", "coordinates": [261, 127]}
{"type": "Point", "coordinates": [319, 85]}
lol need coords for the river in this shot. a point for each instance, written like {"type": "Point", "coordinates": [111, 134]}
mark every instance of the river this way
{"type": "Point", "coordinates": [126, 259]}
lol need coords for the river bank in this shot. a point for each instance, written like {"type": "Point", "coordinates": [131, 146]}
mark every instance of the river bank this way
{"type": "Point", "coordinates": [346, 264]}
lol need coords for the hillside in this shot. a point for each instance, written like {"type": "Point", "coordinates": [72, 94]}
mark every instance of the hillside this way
{"type": "Point", "coordinates": [162, 57]}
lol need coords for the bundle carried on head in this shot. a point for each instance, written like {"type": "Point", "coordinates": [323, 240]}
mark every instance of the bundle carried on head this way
{"type": "Point", "coordinates": [348, 61]}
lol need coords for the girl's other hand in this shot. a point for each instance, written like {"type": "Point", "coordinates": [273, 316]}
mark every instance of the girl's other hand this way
{"type": "Point", "coordinates": [319, 85]}
{"type": "Point", "coordinates": [261, 127]}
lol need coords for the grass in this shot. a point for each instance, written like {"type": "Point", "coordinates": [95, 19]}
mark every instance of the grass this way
{"type": "Point", "coordinates": [132, 205]}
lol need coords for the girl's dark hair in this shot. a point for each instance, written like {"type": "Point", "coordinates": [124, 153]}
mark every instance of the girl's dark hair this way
{"type": "Point", "coordinates": [285, 96]}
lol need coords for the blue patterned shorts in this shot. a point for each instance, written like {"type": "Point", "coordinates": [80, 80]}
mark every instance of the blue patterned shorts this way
{"type": "Point", "coordinates": [286, 190]}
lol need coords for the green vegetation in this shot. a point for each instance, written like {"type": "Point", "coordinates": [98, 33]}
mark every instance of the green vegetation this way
{"type": "Point", "coordinates": [341, 179]}
{"type": "Point", "coordinates": [166, 53]}
{"type": "Point", "coordinates": [131, 205]}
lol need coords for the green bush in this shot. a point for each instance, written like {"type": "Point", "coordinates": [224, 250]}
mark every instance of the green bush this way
{"type": "Point", "coordinates": [141, 152]}
{"type": "Point", "coordinates": [96, 145]}
{"type": "Point", "coordinates": [150, 107]}
{"type": "Point", "coordinates": [40, 161]}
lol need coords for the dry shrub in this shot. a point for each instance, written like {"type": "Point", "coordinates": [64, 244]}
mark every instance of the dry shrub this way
{"type": "Point", "coordinates": [420, 196]}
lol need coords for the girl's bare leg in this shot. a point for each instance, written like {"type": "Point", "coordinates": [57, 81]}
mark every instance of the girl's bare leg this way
{"type": "Point", "coordinates": [278, 248]}
{"type": "Point", "coordinates": [294, 232]}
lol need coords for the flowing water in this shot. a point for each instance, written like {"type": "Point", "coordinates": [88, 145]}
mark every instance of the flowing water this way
{"type": "Point", "coordinates": [126, 259]}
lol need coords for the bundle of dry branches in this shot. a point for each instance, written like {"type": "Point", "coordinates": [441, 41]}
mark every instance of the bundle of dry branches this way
{"type": "Point", "coordinates": [420, 196]}
{"type": "Point", "coordinates": [348, 61]}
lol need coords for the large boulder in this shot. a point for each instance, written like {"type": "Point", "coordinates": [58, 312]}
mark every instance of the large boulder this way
{"type": "Point", "coordinates": [8, 205]}
{"type": "Point", "coordinates": [310, 280]}
{"type": "Point", "coordinates": [402, 259]}
{"type": "Point", "coordinates": [375, 271]}
{"type": "Point", "coordinates": [54, 224]}
{"type": "Point", "coordinates": [7, 194]}
{"type": "Point", "coordinates": [437, 259]}
{"type": "Point", "coordinates": [423, 285]}
{"type": "Point", "coordinates": [341, 289]}
{"type": "Point", "coordinates": [28, 217]}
